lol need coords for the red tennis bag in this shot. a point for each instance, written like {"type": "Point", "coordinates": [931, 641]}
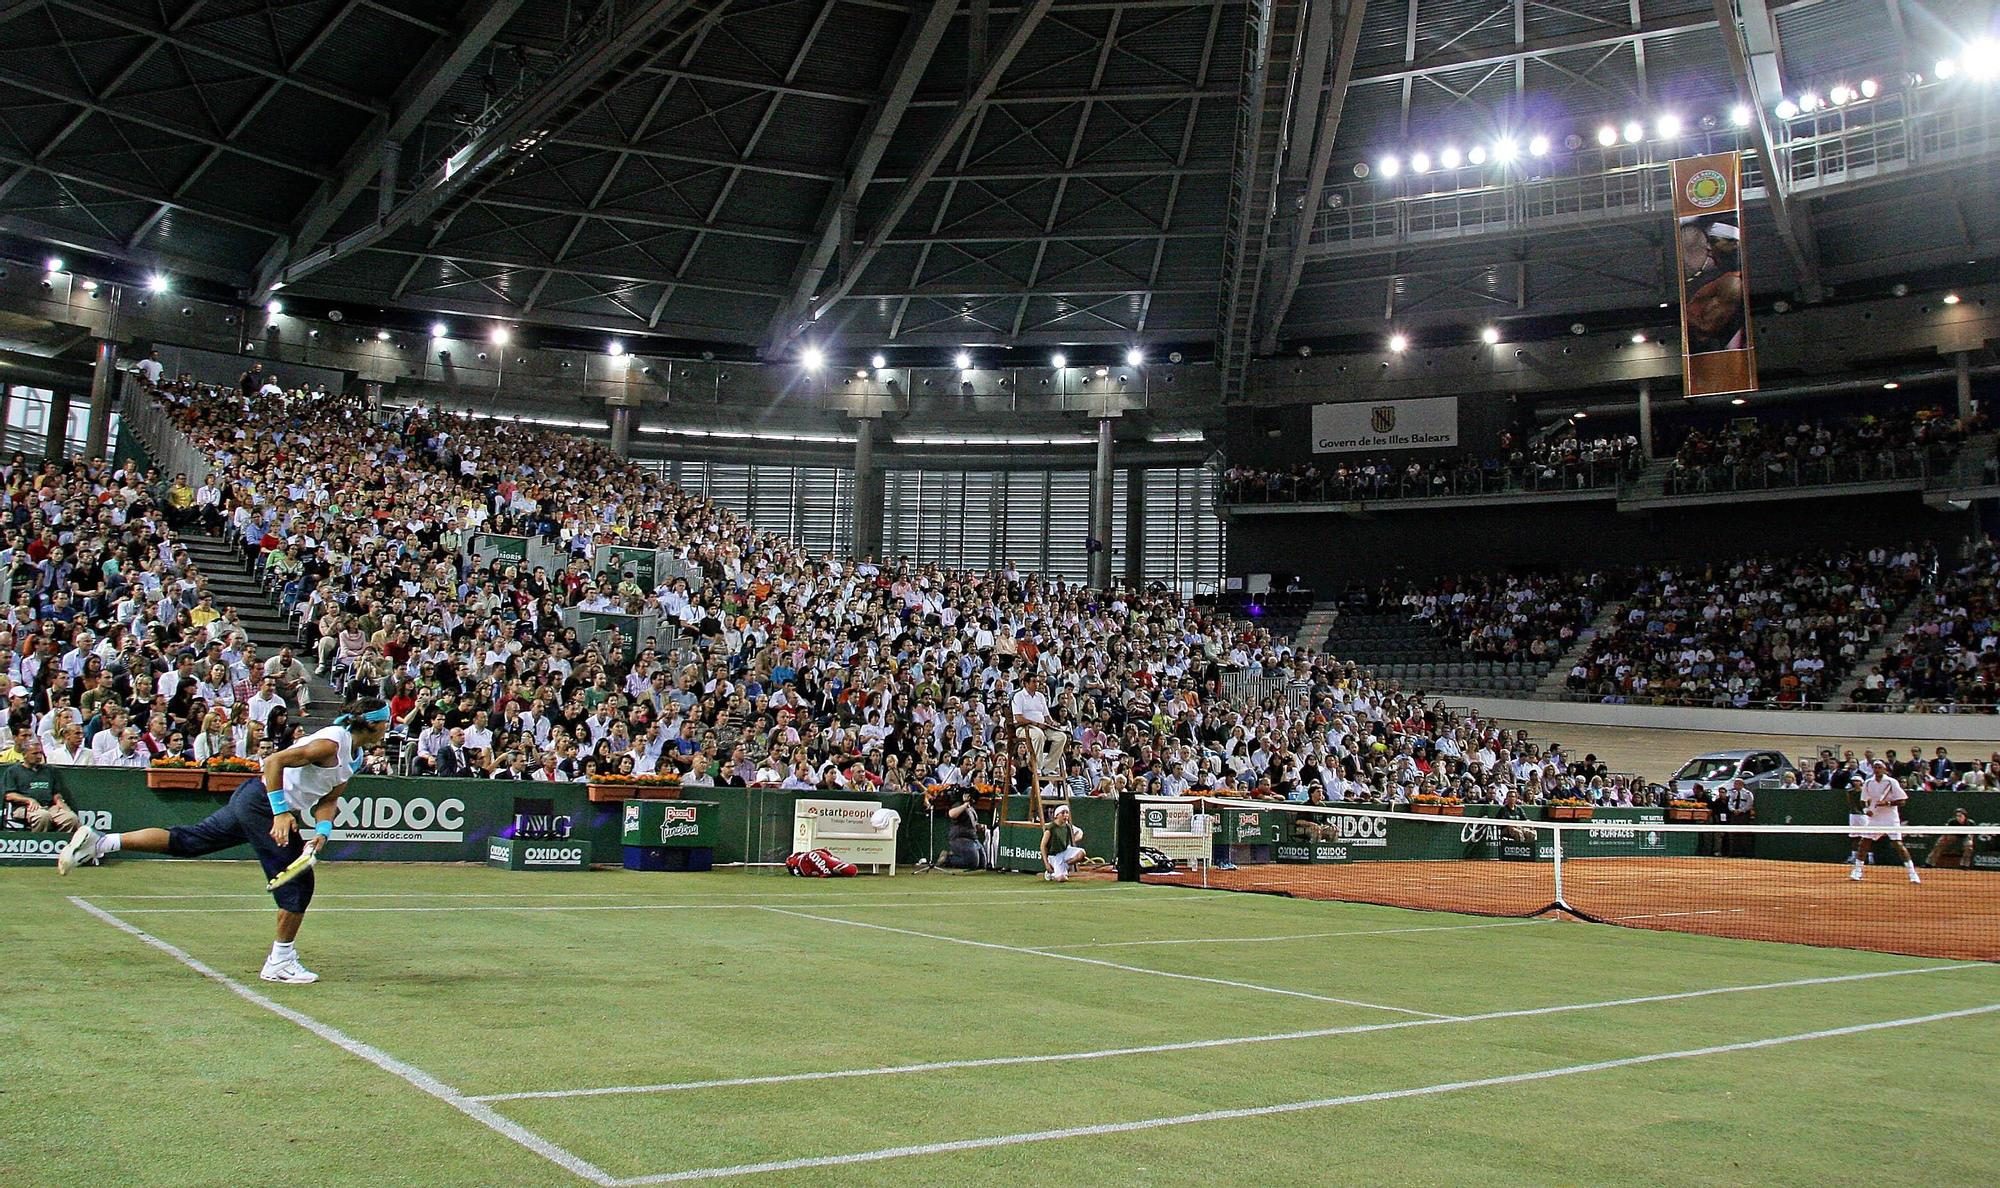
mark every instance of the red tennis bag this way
{"type": "Point", "coordinates": [820, 864]}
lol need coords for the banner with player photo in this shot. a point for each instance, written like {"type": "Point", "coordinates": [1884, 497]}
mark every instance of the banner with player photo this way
{"type": "Point", "coordinates": [1718, 354]}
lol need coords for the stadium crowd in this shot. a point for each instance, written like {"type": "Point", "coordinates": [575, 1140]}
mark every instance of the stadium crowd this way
{"type": "Point", "coordinates": [1749, 454]}
{"type": "Point", "coordinates": [1948, 658]}
{"type": "Point", "coordinates": [790, 670]}
{"type": "Point", "coordinates": [1497, 617]}
{"type": "Point", "coordinates": [1773, 633]}
{"type": "Point", "coordinates": [1565, 463]}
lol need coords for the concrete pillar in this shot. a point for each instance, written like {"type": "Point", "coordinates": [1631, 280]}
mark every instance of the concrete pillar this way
{"type": "Point", "coordinates": [867, 491]}
{"type": "Point", "coordinates": [58, 427]}
{"type": "Point", "coordinates": [1135, 526]}
{"type": "Point", "coordinates": [1100, 506]}
{"type": "Point", "coordinates": [1963, 363]}
{"type": "Point", "coordinates": [1646, 418]}
{"type": "Point", "coordinates": [6, 411]}
{"type": "Point", "coordinates": [621, 430]}
{"type": "Point", "coordinates": [103, 382]}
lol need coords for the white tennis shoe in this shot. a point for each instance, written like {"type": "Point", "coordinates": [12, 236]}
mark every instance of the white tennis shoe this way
{"type": "Point", "coordinates": [1856, 876]}
{"type": "Point", "coordinates": [81, 848]}
{"type": "Point", "coordinates": [288, 971]}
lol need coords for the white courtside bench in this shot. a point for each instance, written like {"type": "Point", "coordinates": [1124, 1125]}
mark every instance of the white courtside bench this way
{"type": "Point", "coordinates": [848, 829]}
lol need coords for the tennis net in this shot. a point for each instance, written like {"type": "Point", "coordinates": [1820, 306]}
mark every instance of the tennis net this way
{"type": "Point", "coordinates": [1630, 867]}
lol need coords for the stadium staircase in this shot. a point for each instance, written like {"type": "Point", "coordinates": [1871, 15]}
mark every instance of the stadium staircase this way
{"type": "Point", "coordinates": [1400, 650]}
{"type": "Point", "coordinates": [1867, 661]}
{"type": "Point", "coordinates": [1555, 682]}
{"type": "Point", "coordinates": [1317, 627]}
{"type": "Point", "coordinates": [230, 580]}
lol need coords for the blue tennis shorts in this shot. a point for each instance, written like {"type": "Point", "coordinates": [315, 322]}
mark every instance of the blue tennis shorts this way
{"type": "Point", "coordinates": [246, 820]}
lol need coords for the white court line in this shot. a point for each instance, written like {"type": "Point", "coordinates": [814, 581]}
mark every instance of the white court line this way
{"type": "Point", "coordinates": [1226, 1042]}
{"type": "Point", "coordinates": [1158, 973]}
{"type": "Point", "coordinates": [631, 893]}
{"type": "Point", "coordinates": [477, 1111]}
{"type": "Point", "coordinates": [950, 901]}
{"type": "Point", "coordinates": [1290, 1107]}
{"type": "Point", "coordinates": [1265, 940]}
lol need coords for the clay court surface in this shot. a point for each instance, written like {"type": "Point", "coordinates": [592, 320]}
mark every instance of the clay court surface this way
{"type": "Point", "coordinates": [1954, 913]}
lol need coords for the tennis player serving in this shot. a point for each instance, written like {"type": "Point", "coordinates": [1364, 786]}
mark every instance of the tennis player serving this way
{"type": "Point", "coordinates": [305, 783]}
{"type": "Point", "coordinates": [1882, 796]}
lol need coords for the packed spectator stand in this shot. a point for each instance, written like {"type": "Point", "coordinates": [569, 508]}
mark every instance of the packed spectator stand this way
{"type": "Point", "coordinates": [789, 670]}
{"type": "Point", "coordinates": [1750, 454]}
{"type": "Point", "coordinates": [1948, 659]}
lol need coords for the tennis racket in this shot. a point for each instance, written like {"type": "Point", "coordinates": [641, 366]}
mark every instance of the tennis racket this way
{"type": "Point", "coordinates": [300, 865]}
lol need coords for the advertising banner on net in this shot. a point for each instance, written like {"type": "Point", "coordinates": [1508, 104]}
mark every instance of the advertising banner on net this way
{"type": "Point", "coordinates": [1365, 426]}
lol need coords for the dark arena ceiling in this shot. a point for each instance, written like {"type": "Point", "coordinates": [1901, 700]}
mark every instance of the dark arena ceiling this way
{"type": "Point", "coordinates": [753, 173]}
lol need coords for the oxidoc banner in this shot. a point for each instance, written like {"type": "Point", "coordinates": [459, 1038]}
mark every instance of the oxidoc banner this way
{"type": "Point", "coordinates": [1425, 424]}
{"type": "Point", "coordinates": [1717, 352]}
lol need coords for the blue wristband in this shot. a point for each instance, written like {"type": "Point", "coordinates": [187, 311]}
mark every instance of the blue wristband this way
{"type": "Point", "coordinates": [278, 804]}
{"type": "Point", "coordinates": [323, 828]}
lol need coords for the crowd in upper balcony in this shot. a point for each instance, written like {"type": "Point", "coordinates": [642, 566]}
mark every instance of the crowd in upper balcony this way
{"type": "Point", "coordinates": [1755, 453]}
{"type": "Point", "coordinates": [1567, 461]}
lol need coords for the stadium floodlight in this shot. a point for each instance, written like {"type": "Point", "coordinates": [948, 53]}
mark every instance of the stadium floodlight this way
{"type": "Point", "coordinates": [275, 308]}
{"type": "Point", "coordinates": [1420, 162]}
{"type": "Point", "coordinates": [1870, 88]}
{"type": "Point", "coordinates": [1840, 94]}
{"type": "Point", "coordinates": [1891, 386]}
{"type": "Point", "coordinates": [1639, 338]}
{"type": "Point", "coordinates": [1449, 158]}
{"type": "Point", "coordinates": [1786, 109]}
{"type": "Point", "coordinates": [1951, 299]}
{"type": "Point", "coordinates": [1058, 361]}
{"type": "Point", "coordinates": [1739, 116]}
{"type": "Point", "coordinates": [1505, 150]}
{"type": "Point", "coordinates": [615, 349]}
{"type": "Point", "coordinates": [500, 336]}
{"type": "Point", "coordinates": [1634, 132]}
{"type": "Point", "coordinates": [1490, 336]}
{"type": "Point", "coordinates": [1538, 146]}
{"type": "Point", "coordinates": [877, 362]}
{"type": "Point", "coordinates": [1607, 136]}
{"type": "Point", "coordinates": [439, 330]}
{"type": "Point", "coordinates": [381, 336]}
{"type": "Point", "coordinates": [1981, 59]}
{"type": "Point", "coordinates": [1667, 126]}
{"type": "Point", "coordinates": [962, 361]}
{"type": "Point", "coordinates": [1399, 343]}
{"type": "Point", "coordinates": [54, 263]}
{"type": "Point", "coordinates": [1945, 68]}
{"type": "Point", "coordinates": [1134, 357]}
{"type": "Point", "coordinates": [1477, 155]}
{"type": "Point", "coordinates": [158, 283]}
{"type": "Point", "coordinates": [812, 358]}
{"type": "Point", "coordinates": [1388, 167]}
{"type": "Point", "coordinates": [1810, 101]}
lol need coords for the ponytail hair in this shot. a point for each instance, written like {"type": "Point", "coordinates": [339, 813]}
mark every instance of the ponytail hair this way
{"type": "Point", "coordinates": [363, 710]}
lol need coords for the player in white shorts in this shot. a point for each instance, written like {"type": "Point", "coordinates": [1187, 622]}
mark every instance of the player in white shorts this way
{"type": "Point", "coordinates": [1882, 797]}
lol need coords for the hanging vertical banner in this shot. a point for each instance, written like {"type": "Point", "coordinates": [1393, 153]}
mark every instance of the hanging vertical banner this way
{"type": "Point", "coordinates": [1717, 354]}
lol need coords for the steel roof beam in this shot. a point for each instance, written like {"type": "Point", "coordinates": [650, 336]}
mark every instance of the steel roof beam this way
{"type": "Point", "coordinates": [1322, 158]}
{"type": "Point", "coordinates": [1755, 34]}
{"type": "Point", "coordinates": [612, 35]}
{"type": "Point", "coordinates": [955, 128]}
{"type": "Point", "coordinates": [421, 90]}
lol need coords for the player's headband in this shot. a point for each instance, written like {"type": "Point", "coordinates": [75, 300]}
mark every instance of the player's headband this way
{"type": "Point", "coordinates": [379, 714]}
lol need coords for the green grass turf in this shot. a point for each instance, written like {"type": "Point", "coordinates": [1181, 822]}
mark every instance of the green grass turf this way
{"type": "Point", "coordinates": [118, 1064]}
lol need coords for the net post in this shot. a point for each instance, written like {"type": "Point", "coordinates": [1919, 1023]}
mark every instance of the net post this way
{"type": "Point", "coordinates": [1126, 834]}
{"type": "Point", "coordinates": [1556, 830]}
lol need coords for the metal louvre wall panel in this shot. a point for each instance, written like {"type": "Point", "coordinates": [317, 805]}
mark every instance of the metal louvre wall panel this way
{"type": "Point", "coordinates": [826, 508]}
{"type": "Point", "coordinates": [1184, 536]}
{"type": "Point", "coordinates": [1066, 534]}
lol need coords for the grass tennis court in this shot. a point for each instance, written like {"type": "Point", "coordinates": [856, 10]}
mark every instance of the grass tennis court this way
{"type": "Point", "coordinates": [503, 1029]}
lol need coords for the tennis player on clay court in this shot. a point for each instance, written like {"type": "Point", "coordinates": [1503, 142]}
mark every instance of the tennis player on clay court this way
{"type": "Point", "coordinates": [308, 779]}
{"type": "Point", "coordinates": [1883, 796]}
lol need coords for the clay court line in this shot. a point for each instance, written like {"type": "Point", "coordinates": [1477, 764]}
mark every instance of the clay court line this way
{"type": "Point", "coordinates": [479, 1112]}
{"type": "Point", "coordinates": [1225, 1042]}
{"type": "Point", "coordinates": [1290, 1107]}
{"type": "Point", "coordinates": [1158, 973]}
{"type": "Point", "coordinates": [627, 894]}
{"type": "Point", "coordinates": [1670, 915]}
{"type": "Point", "coordinates": [1263, 940]}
